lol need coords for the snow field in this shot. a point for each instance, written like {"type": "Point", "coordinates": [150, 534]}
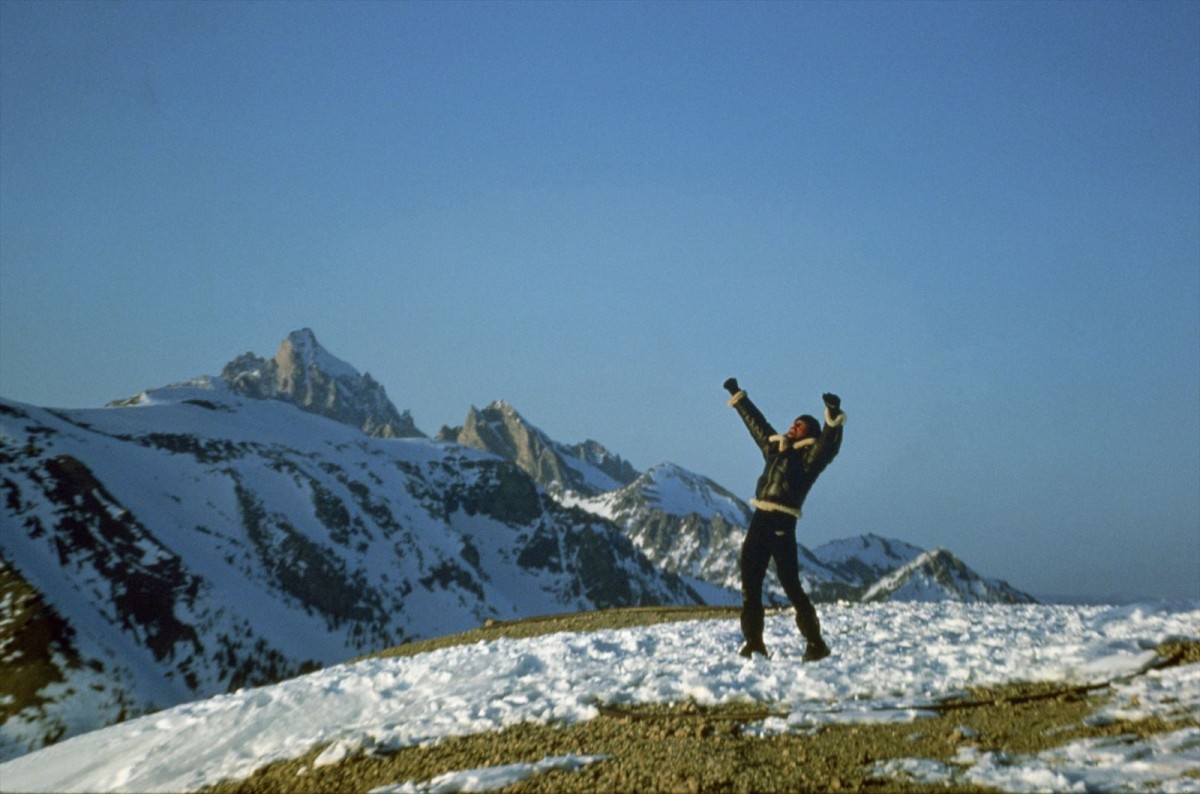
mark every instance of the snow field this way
{"type": "Point", "coordinates": [890, 660]}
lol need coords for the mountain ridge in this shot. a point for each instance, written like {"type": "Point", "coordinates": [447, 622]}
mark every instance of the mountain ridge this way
{"type": "Point", "coordinates": [202, 541]}
{"type": "Point", "coordinates": [932, 574]}
{"type": "Point", "coordinates": [587, 467]}
{"type": "Point", "coordinates": [230, 531]}
{"type": "Point", "coordinates": [692, 526]}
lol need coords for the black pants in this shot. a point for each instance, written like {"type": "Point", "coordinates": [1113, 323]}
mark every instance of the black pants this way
{"type": "Point", "coordinates": [773, 536]}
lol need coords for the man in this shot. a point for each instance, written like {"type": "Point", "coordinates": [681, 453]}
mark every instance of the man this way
{"type": "Point", "coordinates": [793, 463]}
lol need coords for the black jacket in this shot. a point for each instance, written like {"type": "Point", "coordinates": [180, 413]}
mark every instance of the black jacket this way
{"type": "Point", "coordinates": [792, 466]}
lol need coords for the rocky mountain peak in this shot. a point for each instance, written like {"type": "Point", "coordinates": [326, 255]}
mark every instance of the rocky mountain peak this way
{"type": "Point", "coordinates": [300, 353]}
{"type": "Point", "coordinates": [503, 408]}
{"type": "Point", "coordinates": [586, 468]}
{"type": "Point", "coordinates": [309, 376]}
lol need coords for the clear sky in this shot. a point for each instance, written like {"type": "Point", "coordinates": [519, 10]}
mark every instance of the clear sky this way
{"type": "Point", "coordinates": [977, 222]}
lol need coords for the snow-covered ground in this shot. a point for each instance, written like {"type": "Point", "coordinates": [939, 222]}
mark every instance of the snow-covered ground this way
{"type": "Point", "coordinates": [891, 662]}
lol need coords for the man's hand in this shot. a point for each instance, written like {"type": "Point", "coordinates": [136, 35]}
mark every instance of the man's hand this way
{"type": "Point", "coordinates": [731, 385]}
{"type": "Point", "coordinates": [833, 403]}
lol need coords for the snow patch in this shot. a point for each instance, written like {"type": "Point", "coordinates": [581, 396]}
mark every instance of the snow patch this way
{"type": "Point", "coordinates": [490, 778]}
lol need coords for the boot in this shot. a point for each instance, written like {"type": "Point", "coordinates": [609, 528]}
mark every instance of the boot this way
{"type": "Point", "coordinates": [810, 629]}
{"type": "Point", "coordinates": [816, 650]}
{"type": "Point", "coordinates": [749, 650]}
{"type": "Point", "coordinates": [752, 630]}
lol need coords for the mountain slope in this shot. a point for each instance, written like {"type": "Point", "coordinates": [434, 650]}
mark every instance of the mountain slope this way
{"type": "Point", "coordinates": [938, 575]}
{"type": "Point", "coordinates": [863, 560]}
{"type": "Point", "coordinates": [201, 541]}
{"type": "Point", "coordinates": [684, 523]}
{"type": "Point", "coordinates": [586, 468]}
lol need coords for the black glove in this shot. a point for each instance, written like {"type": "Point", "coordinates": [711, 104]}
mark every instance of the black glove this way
{"type": "Point", "coordinates": [833, 403]}
{"type": "Point", "coordinates": [731, 386]}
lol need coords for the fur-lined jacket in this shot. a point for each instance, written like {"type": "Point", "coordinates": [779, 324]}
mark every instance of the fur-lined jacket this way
{"type": "Point", "coordinates": [792, 466]}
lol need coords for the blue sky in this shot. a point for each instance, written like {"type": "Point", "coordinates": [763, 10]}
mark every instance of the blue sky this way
{"type": "Point", "coordinates": [977, 222]}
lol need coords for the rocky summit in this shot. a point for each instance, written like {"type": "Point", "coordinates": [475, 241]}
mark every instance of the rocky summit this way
{"type": "Point", "coordinates": [307, 375]}
{"type": "Point", "coordinates": [586, 468]}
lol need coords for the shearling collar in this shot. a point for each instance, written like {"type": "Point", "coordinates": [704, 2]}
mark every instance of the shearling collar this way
{"type": "Point", "coordinates": [784, 441]}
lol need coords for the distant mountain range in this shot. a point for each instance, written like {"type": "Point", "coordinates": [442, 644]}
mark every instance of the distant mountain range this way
{"type": "Point", "coordinates": [238, 529]}
{"type": "Point", "coordinates": [689, 525]}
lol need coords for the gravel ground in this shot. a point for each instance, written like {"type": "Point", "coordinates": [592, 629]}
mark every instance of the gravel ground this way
{"type": "Point", "coordinates": [688, 748]}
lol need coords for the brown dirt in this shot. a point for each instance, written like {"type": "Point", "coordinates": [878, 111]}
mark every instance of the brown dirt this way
{"type": "Point", "coordinates": [685, 747]}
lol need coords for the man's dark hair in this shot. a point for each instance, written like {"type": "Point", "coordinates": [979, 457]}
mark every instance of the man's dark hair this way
{"type": "Point", "coordinates": [812, 425]}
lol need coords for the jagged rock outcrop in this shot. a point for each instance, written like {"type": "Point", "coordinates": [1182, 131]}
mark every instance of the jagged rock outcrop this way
{"type": "Point", "coordinates": [586, 468]}
{"type": "Point", "coordinates": [307, 375]}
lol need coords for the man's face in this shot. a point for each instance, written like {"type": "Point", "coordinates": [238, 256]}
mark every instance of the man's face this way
{"type": "Point", "coordinates": [799, 429]}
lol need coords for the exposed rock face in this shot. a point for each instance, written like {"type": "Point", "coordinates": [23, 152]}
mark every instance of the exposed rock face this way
{"type": "Point", "coordinates": [586, 468]}
{"type": "Point", "coordinates": [307, 375]}
{"type": "Point", "coordinates": [611, 464]}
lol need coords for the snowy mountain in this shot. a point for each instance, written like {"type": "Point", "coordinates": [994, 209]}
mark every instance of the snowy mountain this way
{"type": "Point", "coordinates": [689, 525]}
{"type": "Point", "coordinates": [586, 468]}
{"type": "Point", "coordinates": [863, 560]}
{"type": "Point", "coordinates": [307, 375]}
{"type": "Point", "coordinates": [236, 530]}
{"type": "Point", "coordinates": [683, 522]}
{"type": "Point", "coordinates": [198, 540]}
{"type": "Point", "coordinates": [938, 575]}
